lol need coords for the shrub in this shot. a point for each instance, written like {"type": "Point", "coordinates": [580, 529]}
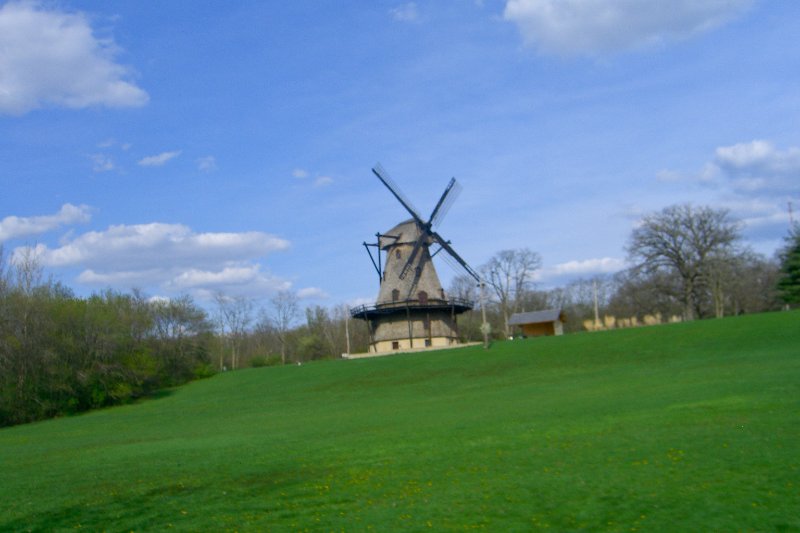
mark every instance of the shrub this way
{"type": "Point", "coordinates": [265, 360]}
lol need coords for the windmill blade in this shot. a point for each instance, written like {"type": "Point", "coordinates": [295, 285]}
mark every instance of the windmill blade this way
{"type": "Point", "coordinates": [449, 249]}
{"type": "Point", "coordinates": [382, 175]}
{"type": "Point", "coordinates": [445, 202]}
{"type": "Point", "coordinates": [412, 255]}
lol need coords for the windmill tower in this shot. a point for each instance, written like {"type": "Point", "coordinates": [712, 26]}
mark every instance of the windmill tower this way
{"type": "Point", "coordinates": [412, 309]}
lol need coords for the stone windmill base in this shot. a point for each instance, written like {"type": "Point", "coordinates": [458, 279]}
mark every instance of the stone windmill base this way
{"type": "Point", "coordinates": [411, 325]}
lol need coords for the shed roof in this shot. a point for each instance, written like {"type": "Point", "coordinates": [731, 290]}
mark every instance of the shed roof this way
{"type": "Point", "coordinates": [535, 317]}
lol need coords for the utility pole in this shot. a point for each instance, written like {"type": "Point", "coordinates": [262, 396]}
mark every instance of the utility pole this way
{"type": "Point", "coordinates": [596, 310]}
{"type": "Point", "coordinates": [485, 327]}
{"type": "Point", "coordinates": [347, 329]}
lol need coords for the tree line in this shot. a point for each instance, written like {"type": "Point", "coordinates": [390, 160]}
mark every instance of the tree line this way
{"type": "Point", "coordinates": [60, 354]}
{"type": "Point", "coordinates": [63, 354]}
{"type": "Point", "coordinates": [687, 262]}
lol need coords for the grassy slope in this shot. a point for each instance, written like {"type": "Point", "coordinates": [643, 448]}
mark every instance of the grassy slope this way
{"type": "Point", "coordinates": [687, 426]}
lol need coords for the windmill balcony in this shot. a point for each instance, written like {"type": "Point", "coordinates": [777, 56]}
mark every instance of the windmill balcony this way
{"type": "Point", "coordinates": [366, 312]}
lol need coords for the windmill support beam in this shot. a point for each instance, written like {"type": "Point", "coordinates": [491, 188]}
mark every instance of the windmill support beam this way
{"type": "Point", "coordinates": [410, 329]}
{"type": "Point", "coordinates": [378, 264]}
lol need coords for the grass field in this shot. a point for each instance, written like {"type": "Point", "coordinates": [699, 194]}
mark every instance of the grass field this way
{"type": "Point", "coordinates": [683, 427]}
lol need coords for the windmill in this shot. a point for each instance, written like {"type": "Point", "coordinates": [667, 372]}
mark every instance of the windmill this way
{"type": "Point", "coordinates": [412, 309]}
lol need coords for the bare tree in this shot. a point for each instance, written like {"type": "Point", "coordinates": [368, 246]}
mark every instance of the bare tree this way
{"type": "Point", "coordinates": [509, 274]}
{"type": "Point", "coordinates": [28, 270]}
{"type": "Point", "coordinates": [686, 240]}
{"type": "Point", "coordinates": [234, 315]}
{"type": "Point", "coordinates": [285, 311]}
{"type": "Point", "coordinates": [464, 287]}
{"type": "Point", "coordinates": [582, 299]}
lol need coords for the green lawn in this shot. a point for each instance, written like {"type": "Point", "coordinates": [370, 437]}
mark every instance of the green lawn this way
{"type": "Point", "coordinates": [679, 427]}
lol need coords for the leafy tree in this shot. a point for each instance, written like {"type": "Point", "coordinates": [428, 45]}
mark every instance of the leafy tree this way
{"type": "Point", "coordinates": [685, 240]}
{"type": "Point", "coordinates": [789, 283]}
{"type": "Point", "coordinates": [61, 354]}
{"type": "Point", "coordinates": [182, 330]}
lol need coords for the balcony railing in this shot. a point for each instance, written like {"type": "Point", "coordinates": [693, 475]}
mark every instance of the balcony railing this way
{"type": "Point", "coordinates": [366, 311]}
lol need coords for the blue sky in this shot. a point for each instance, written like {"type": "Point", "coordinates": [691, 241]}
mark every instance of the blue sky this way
{"type": "Point", "coordinates": [226, 147]}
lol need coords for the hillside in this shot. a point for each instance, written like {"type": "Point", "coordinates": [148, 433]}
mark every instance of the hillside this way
{"type": "Point", "coordinates": [675, 427]}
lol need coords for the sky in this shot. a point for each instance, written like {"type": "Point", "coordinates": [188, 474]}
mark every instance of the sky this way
{"type": "Point", "coordinates": [225, 147]}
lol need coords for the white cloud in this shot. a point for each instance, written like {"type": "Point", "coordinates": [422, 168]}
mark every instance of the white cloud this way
{"type": "Point", "coordinates": [244, 278]}
{"type": "Point", "coordinates": [233, 280]}
{"type": "Point", "coordinates": [102, 163]}
{"type": "Point", "coordinates": [205, 278]}
{"type": "Point", "coordinates": [756, 212]}
{"type": "Point", "coordinates": [583, 268]}
{"type": "Point", "coordinates": [407, 12]}
{"type": "Point", "coordinates": [710, 174]}
{"type": "Point", "coordinates": [51, 57]}
{"type": "Point", "coordinates": [312, 293]}
{"type": "Point", "coordinates": [577, 27]}
{"type": "Point", "coordinates": [14, 227]}
{"type": "Point", "coordinates": [206, 164]}
{"type": "Point", "coordinates": [748, 168]}
{"type": "Point", "coordinates": [300, 173]}
{"type": "Point", "coordinates": [236, 279]}
{"type": "Point", "coordinates": [127, 278]}
{"type": "Point", "coordinates": [603, 265]}
{"type": "Point", "coordinates": [758, 165]}
{"type": "Point", "coordinates": [322, 181]}
{"type": "Point", "coordinates": [141, 246]}
{"type": "Point", "coordinates": [359, 301]}
{"type": "Point", "coordinates": [158, 160]}
{"type": "Point", "coordinates": [754, 180]}
{"type": "Point", "coordinates": [169, 256]}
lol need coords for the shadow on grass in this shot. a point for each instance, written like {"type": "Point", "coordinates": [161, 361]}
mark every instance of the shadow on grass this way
{"type": "Point", "coordinates": [185, 505]}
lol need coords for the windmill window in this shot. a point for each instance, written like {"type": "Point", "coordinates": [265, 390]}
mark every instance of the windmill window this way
{"type": "Point", "coordinates": [395, 345]}
{"type": "Point", "coordinates": [395, 295]}
{"type": "Point", "coordinates": [397, 254]}
{"type": "Point", "coordinates": [423, 297]}
{"type": "Point", "coordinates": [428, 343]}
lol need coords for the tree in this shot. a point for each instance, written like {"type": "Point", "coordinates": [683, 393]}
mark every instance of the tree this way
{"type": "Point", "coordinates": [638, 293]}
{"type": "Point", "coordinates": [687, 240]}
{"type": "Point", "coordinates": [182, 331]}
{"type": "Point", "coordinates": [745, 283]}
{"type": "Point", "coordinates": [321, 335]}
{"type": "Point", "coordinates": [578, 298]}
{"type": "Point", "coordinates": [789, 283]}
{"type": "Point", "coordinates": [509, 274]}
{"type": "Point", "coordinates": [234, 315]}
{"type": "Point", "coordinates": [464, 287]}
{"type": "Point", "coordinates": [284, 312]}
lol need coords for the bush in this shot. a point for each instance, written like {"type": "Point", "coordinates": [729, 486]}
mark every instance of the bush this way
{"type": "Point", "coordinates": [204, 370]}
{"type": "Point", "coordinates": [265, 360]}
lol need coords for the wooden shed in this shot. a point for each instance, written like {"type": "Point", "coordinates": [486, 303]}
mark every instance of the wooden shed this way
{"type": "Point", "coordinates": [539, 323]}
